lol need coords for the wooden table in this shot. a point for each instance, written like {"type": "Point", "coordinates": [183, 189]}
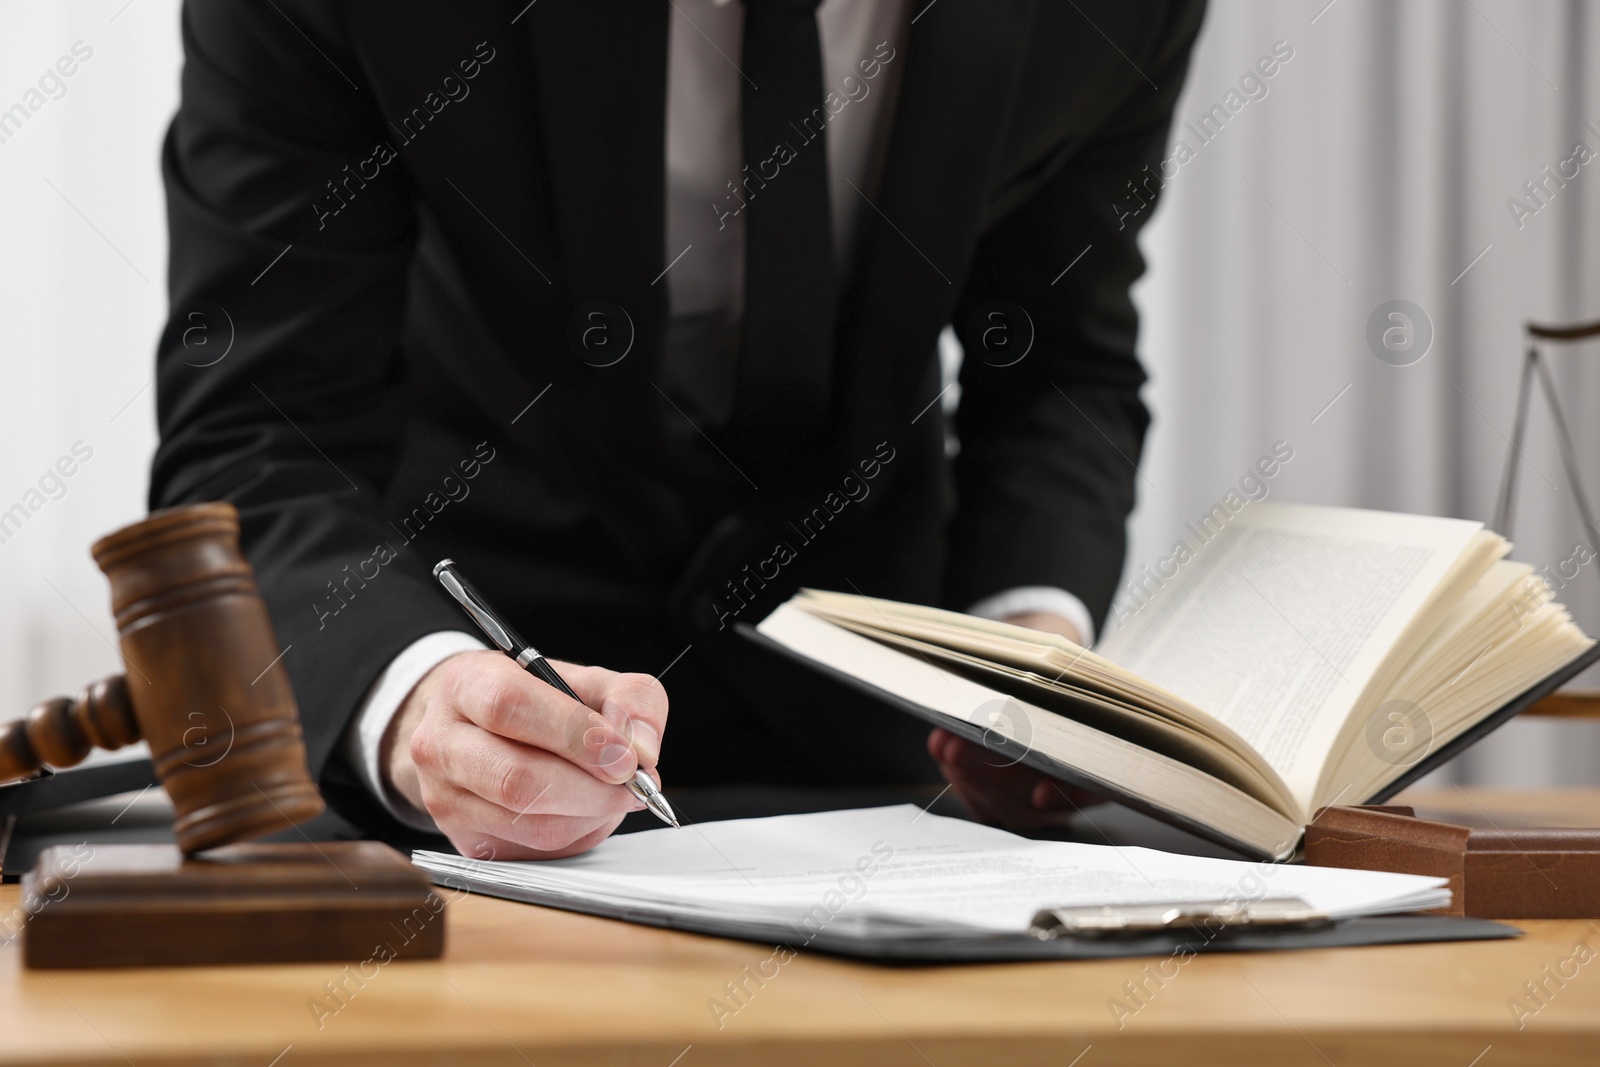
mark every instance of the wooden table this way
{"type": "Point", "coordinates": [528, 986]}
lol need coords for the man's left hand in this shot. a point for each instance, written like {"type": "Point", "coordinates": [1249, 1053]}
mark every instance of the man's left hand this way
{"type": "Point", "coordinates": [1006, 793]}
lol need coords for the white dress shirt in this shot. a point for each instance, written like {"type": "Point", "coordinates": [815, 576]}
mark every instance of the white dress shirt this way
{"type": "Point", "coordinates": [705, 245]}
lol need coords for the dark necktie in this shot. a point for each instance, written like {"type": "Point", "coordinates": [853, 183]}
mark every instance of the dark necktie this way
{"type": "Point", "coordinates": [786, 353]}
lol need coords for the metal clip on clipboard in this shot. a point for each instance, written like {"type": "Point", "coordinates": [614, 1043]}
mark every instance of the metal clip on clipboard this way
{"type": "Point", "coordinates": [1217, 915]}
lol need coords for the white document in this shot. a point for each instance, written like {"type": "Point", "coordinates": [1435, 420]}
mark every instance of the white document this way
{"type": "Point", "coordinates": [898, 871]}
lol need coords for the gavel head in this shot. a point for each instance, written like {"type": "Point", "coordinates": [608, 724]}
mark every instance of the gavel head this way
{"type": "Point", "coordinates": [205, 684]}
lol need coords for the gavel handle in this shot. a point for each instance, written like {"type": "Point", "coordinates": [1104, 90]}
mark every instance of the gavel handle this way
{"type": "Point", "coordinates": [62, 731]}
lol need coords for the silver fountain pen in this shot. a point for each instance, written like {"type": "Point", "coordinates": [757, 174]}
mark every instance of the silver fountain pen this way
{"type": "Point", "coordinates": [529, 659]}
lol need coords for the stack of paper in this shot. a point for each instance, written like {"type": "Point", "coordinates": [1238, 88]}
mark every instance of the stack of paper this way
{"type": "Point", "coordinates": [896, 872]}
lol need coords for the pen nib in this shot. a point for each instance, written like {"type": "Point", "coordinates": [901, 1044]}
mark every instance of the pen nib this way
{"type": "Point", "coordinates": [643, 787]}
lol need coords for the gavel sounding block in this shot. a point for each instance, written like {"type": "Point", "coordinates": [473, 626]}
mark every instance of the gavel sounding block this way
{"type": "Point", "coordinates": [149, 905]}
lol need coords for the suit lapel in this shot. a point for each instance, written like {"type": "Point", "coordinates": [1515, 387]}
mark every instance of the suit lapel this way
{"type": "Point", "coordinates": [963, 62]}
{"type": "Point", "coordinates": [561, 187]}
{"type": "Point", "coordinates": [600, 77]}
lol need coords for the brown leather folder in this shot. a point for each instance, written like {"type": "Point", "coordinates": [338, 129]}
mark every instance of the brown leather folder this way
{"type": "Point", "coordinates": [1495, 872]}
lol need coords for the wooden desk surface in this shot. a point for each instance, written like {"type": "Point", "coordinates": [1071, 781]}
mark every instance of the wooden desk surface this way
{"type": "Point", "coordinates": [528, 986]}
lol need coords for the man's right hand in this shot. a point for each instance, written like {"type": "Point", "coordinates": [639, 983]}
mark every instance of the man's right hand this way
{"type": "Point", "coordinates": [511, 768]}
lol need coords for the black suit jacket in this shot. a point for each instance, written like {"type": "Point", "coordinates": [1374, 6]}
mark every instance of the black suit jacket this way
{"type": "Point", "coordinates": [388, 221]}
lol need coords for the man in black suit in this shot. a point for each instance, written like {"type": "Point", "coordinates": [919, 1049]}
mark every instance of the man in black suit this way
{"type": "Point", "coordinates": [632, 308]}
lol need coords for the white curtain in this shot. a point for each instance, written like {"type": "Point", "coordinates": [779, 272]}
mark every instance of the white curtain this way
{"type": "Point", "coordinates": [82, 301]}
{"type": "Point", "coordinates": [1377, 166]}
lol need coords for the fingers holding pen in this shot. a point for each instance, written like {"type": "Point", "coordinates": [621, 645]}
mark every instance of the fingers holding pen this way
{"type": "Point", "coordinates": [635, 704]}
{"type": "Point", "coordinates": [526, 780]}
{"type": "Point", "coordinates": [501, 698]}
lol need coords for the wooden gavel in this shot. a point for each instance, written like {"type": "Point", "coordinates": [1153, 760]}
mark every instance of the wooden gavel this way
{"type": "Point", "coordinates": [205, 684]}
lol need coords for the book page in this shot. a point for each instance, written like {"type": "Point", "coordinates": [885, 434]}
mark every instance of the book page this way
{"type": "Point", "coordinates": [1118, 718]}
{"type": "Point", "coordinates": [1280, 619]}
{"type": "Point", "coordinates": [1109, 763]}
{"type": "Point", "coordinates": [1520, 637]}
{"type": "Point", "coordinates": [899, 871]}
{"type": "Point", "coordinates": [1055, 667]}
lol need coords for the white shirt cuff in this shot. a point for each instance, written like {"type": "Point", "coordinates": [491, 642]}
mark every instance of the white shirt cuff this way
{"type": "Point", "coordinates": [379, 707]}
{"type": "Point", "coordinates": [1041, 598]}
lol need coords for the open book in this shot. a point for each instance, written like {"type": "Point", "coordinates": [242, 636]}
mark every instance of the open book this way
{"type": "Point", "coordinates": [900, 882]}
{"type": "Point", "coordinates": [1304, 656]}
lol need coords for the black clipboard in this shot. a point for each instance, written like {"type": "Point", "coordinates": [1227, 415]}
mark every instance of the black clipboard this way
{"type": "Point", "coordinates": [1344, 933]}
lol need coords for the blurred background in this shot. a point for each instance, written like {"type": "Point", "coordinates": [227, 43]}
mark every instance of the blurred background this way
{"type": "Point", "coordinates": [1384, 161]}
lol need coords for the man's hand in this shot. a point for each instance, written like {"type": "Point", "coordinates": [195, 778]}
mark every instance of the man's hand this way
{"type": "Point", "coordinates": [998, 790]}
{"type": "Point", "coordinates": [511, 768]}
